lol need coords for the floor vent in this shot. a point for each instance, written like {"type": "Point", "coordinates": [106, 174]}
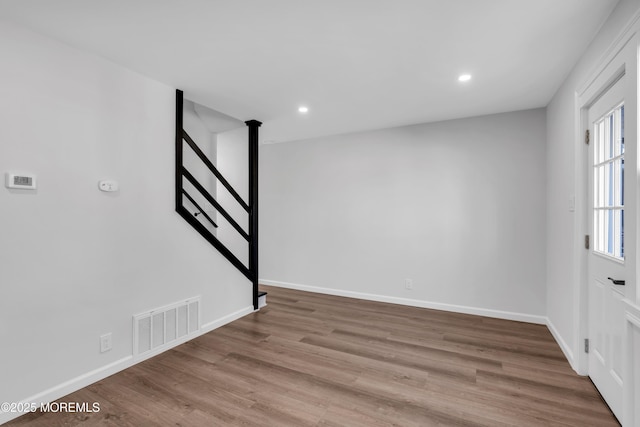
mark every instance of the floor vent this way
{"type": "Point", "coordinates": [164, 327]}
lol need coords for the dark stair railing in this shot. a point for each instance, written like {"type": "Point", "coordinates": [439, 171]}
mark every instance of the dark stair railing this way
{"type": "Point", "coordinates": [251, 208]}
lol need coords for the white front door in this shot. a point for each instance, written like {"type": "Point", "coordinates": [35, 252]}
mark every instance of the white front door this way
{"type": "Point", "coordinates": [607, 267]}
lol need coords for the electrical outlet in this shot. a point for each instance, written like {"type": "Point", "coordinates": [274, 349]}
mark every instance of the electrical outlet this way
{"type": "Point", "coordinates": [105, 343]}
{"type": "Point", "coordinates": [408, 284]}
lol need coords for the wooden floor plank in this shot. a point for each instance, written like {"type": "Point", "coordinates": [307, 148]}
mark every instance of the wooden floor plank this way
{"type": "Point", "coordinates": [320, 360]}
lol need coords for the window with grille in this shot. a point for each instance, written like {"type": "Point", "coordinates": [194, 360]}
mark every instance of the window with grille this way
{"type": "Point", "coordinates": [608, 184]}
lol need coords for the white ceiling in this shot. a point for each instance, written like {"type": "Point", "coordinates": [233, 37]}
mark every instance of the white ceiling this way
{"type": "Point", "coordinates": [357, 64]}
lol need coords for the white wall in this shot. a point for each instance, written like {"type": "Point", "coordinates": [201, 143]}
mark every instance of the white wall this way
{"type": "Point", "coordinates": [456, 206]}
{"type": "Point", "coordinates": [76, 263]}
{"type": "Point", "coordinates": [562, 241]}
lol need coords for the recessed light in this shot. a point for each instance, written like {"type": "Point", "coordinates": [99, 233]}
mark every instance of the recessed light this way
{"type": "Point", "coordinates": [302, 109]}
{"type": "Point", "coordinates": [464, 77]}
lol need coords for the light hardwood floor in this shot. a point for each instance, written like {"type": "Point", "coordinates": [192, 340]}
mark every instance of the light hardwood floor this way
{"type": "Point", "coordinates": [317, 360]}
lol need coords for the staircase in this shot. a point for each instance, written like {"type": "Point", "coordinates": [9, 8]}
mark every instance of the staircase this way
{"type": "Point", "coordinates": [191, 194]}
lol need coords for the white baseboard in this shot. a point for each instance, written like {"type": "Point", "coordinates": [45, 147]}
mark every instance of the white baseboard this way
{"type": "Point", "coordinates": [566, 348]}
{"type": "Point", "coordinates": [70, 386]}
{"type": "Point", "coordinates": [103, 372]}
{"type": "Point", "coordinates": [208, 327]}
{"type": "Point", "coordinates": [499, 314]}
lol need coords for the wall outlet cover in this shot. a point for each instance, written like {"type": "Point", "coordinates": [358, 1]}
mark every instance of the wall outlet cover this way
{"type": "Point", "coordinates": [106, 342]}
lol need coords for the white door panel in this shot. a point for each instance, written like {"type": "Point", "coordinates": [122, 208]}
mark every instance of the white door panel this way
{"type": "Point", "coordinates": [616, 314]}
{"type": "Point", "coordinates": [609, 216]}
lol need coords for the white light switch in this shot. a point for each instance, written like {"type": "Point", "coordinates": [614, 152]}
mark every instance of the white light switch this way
{"type": "Point", "coordinates": [572, 203]}
{"type": "Point", "coordinates": [108, 185]}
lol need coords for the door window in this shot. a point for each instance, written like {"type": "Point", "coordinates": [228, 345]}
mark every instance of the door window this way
{"type": "Point", "coordinates": [608, 184]}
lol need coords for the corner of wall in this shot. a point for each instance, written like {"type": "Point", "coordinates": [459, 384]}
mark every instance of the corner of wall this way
{"type": "Point", "coordinates": [566, 348]}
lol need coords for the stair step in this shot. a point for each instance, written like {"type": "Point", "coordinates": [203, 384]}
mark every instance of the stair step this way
{"type": "Point", "coordinates": [262, 299]}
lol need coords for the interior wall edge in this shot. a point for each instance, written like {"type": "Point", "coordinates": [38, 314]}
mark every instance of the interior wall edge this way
{"type": "Point", "coordinates": [566, 348]}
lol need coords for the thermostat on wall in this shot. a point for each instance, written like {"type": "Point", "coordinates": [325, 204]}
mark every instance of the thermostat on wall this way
{"type": "Point", "coordinates": [22, 181]}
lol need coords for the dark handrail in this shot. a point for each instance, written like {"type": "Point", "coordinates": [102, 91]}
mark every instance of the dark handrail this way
{"type": "Point", "coordinates": [251, 270]}
{"type": "Point", "coordinates": [214, 170]}
{"type": "Point", "coordinates": [204, 232]}
{"type": "Point", "coordinates": [213, 201]}
{"type": "Point", "coordinates": [201, 211]}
